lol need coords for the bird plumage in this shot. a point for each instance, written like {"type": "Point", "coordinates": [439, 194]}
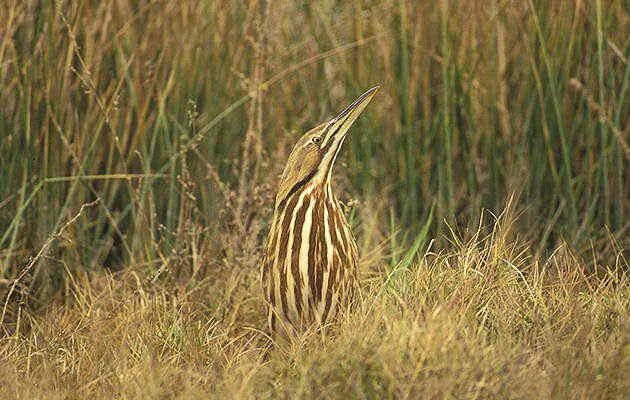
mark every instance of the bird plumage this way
{"type": "Point", "coordinates": [310, 260]}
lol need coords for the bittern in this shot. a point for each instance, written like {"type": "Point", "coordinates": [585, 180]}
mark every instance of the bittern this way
{"type": "Point", "coordinates": [310, 262]}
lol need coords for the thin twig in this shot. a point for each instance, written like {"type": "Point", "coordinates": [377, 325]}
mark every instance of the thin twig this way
{"type": "Point", "coordinates": [600, 111]}
{"type": "Point", "coordinates": [42, 252]}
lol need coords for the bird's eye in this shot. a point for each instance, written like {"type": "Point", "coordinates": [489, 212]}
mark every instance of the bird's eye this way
{"type": "Point", "coordinates": [317, 139]}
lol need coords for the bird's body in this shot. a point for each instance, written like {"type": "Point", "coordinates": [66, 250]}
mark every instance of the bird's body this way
{"type": "Point", "coordinates": [310, 261]}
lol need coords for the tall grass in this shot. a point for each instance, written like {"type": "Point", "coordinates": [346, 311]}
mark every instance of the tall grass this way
{"type": "Point", "coordinates": [140, 145]}
{"type": "Point", "coordinates": [145, 105]}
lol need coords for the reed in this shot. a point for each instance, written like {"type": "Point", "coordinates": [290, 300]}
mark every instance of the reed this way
{"type": "Point", "coordinates": [145, 139]}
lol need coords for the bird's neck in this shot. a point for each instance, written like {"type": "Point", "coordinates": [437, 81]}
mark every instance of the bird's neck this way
{"type": "Point", "coordinates": [318, 192]}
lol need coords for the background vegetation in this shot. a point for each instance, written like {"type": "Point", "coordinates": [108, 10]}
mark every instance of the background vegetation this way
{"type": "Point", "coordinates": [140, 144]}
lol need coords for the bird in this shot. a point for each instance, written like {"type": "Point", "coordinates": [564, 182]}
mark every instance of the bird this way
{"type": "Point", "coordinates": [309, 263]}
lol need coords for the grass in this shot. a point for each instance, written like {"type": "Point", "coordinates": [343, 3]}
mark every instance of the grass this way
{"type": "Point", "coordinates": [140, 144]}
{"type": "Point", "coordinates": [486, 319]}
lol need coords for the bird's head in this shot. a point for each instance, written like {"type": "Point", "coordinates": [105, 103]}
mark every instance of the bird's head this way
{"type": "Point", "coordinates": [313, 156]}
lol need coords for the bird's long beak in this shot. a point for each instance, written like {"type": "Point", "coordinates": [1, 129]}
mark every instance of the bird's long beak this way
{"type": "Point", "coordinates": [336, 130]}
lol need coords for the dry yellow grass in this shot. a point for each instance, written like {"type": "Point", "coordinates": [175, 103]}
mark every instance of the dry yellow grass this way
{"type": "Point", "coordinates": [484, 320]}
